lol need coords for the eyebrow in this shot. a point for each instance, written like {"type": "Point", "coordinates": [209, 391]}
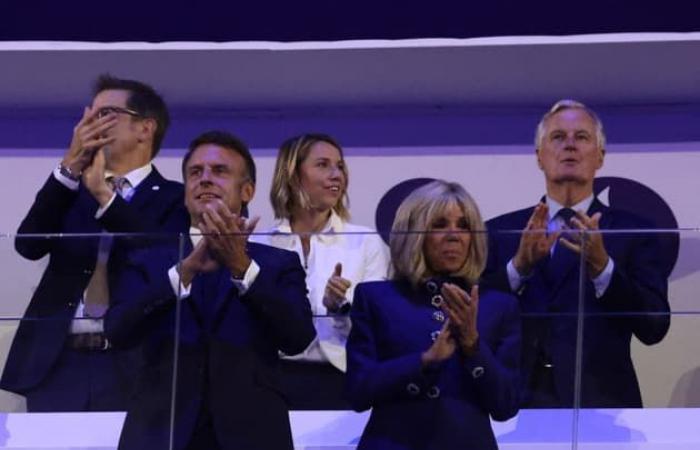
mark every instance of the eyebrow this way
{"type": "Point", "coordinates": [561, 130]}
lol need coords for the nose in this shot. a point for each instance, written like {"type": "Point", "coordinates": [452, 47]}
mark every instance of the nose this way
{"type": "Point", "coordinates": [336, 173]}
{"type": "Point", "coordinates": [452, 233]}
{"type": "Point", "coordinates": [205, 177]}
{"type": "Point", "coordinates": [570, 142]}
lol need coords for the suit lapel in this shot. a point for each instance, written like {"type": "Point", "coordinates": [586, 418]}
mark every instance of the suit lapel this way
{"type": "Point", "coordinates": [147, 190]}
{"type": "Point", "coordinates": [605, 218]}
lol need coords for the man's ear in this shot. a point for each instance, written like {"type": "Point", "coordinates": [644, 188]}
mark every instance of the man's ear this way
{"type": "Point", "coordinates": [247, 191]}
{"type": "Point", "coordinates": [539, 161]}
{"type": "Point", "coordinates": [601, 158]}
{"type": "Point", "coordinates": [148, 129]}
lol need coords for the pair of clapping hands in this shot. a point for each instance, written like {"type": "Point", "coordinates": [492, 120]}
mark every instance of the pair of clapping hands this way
{"type": "Point", "coordinates": [85, 158]}
{"type": "Point", "coordinates": [536, 242]}
{"type": "Point", "coordinates": [459, 331]}
{"type": "Point", "coordinates": [224, 238]}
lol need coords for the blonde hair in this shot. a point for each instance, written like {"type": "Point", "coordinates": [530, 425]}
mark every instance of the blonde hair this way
{"type": "Point", "coordinates": [563, 105]}
{"type": "Point", "coordinates": [414, 218]}
{"type": "Point", "coordinates": [286, 192]}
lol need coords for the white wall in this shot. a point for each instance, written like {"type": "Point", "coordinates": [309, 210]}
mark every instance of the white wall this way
{"type": "Point", "coordinates": [501, 178]}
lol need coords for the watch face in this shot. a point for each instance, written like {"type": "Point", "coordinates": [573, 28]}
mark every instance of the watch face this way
{"type": "Point", "coordinates": [65, 171]}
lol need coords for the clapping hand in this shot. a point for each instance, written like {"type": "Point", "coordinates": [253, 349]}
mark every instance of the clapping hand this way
{"type": "Point", "coordinates": [462, 310]}
{"type": "Point", "coordinates": [226, 234]}
{"type": "Point", "coordinates": [591, 244]}
{"type": "Point", "coordinates": [89, 135]}
{"type": "Point", "coordinates": [535, 241]}
{"type": "Point", "coordinates": [442, 349]}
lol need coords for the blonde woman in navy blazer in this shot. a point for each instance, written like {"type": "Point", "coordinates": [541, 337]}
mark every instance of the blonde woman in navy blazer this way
{"type": "Point", "coordinates": [434, 357]}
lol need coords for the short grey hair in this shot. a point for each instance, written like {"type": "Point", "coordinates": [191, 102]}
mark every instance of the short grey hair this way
{"type": "Point", "coordinates": [563, 105]}
{"type": "Point", "coordinates": [414, 218]}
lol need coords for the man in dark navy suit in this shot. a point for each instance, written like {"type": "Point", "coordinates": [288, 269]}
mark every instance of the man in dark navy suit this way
{"type": "Point", "coordinates": [60, 359]}
{"type": "Point", "coordinates": [230, 306]}
{"type": "Point", "coordinates": [624, 282]}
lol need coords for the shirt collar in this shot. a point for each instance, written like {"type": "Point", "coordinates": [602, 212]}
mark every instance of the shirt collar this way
{"type": "Point", "coordinates": [195, 235]}
{"type": "Point", "coordinates": [136, 176]}
{"type": "Point", "coordinates": [328, 234]}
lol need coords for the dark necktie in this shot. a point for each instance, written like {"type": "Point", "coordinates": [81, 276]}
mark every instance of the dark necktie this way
{"type": "Point", "coordinates": [121, 186]}
{"type": "Point", "coordinates": [565, 214]}
{"type": "Point", "coordinates": [562, 257]}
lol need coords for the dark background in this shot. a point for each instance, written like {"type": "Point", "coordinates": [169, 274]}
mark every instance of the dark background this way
{"type": "Point", "coordinates": [129, 20]}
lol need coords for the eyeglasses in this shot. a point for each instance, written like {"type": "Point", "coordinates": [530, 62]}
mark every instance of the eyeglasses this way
{"type": "Point", "coordinates": [104, 111]}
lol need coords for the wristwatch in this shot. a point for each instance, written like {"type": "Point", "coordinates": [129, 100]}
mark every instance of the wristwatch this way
{"type": "Point", "coordinates": [66, 172]}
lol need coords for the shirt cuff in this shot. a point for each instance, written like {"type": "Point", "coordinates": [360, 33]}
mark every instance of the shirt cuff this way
{"type": "Point", "coordinates": [181, 291]}
{"type": "Point", "coordinates": [64, 180]}
{"type": "Point", "coordinates": [602, 281]}
{"type": "Point", "coordinates": [102, 209]}
{"type": "Point", "coordinates": [243, 284]}
{"type": "Point", "coordinates": [515, 280]}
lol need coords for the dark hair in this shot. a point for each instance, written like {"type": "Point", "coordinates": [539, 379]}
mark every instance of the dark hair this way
{"type": "Point", "coordinates": [228, 141]}
{"type": "Point", "coordinates": [222, 139]}
{"type": "Point", "coordinates": [144, 100]}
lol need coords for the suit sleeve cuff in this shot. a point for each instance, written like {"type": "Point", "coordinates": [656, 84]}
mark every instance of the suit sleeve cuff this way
{"type": "Point", "coordinates": [243, 284]}
{"type": "Point", "coordinates": [602, 281]}
{"type": "Point", "coordinates": [181, 291]}
{"type": "Point", "coordinates": [515, 280]}
{"type": "Point", "coordinates": [64, 180]}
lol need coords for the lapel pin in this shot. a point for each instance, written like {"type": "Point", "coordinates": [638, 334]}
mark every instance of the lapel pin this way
{"type": "Point", "coordinates": [155, 188]}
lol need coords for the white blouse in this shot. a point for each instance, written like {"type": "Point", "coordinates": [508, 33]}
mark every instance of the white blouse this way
{"type": "Point", "coordinates": [364, 257]}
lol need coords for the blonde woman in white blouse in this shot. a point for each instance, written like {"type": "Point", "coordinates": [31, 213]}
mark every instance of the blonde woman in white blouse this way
{"type": "Point", "coordinates": [310, 201]}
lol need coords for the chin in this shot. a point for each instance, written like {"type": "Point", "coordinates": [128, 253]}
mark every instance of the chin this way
{"type": "Point", "coordinates": [447, 269]}
{"type": "Point", "coordinates": [570, 178]}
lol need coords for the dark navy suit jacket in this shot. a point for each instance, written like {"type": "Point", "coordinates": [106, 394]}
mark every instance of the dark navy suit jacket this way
{"type": "Point", "coordinates": [156, 206]}
{"type": "Point", "coordinates": [635, 303]}
{"type": "Point", "coordinates": [228, 349]}
{"type": "Point", "coordinates": [444, 408]}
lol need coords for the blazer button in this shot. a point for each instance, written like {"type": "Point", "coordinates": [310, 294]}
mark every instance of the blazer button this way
{"type": "Point", "coordinates": [432, 286]}
{"type": "Point", "coordinates": [434, 335]}
{"type": "Point", "coordinates": [439, 316]}
{"type": "Point", "coordinates": [477, 372]}
{"type": "Point", "coordinates": [433, 392]}
{"type": "Point", "coordinates": [413, 389]}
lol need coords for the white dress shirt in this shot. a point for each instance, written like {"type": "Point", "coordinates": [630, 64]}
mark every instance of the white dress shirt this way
{"type": "Point", "coordinates": [82, 323]}
{"type": "Point", "coordinates": [364, 257]}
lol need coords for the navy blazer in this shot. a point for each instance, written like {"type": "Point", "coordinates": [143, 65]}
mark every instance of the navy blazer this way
{"type": "Point", "coordinates": [156, 206]}
{"type": "Point", "coordinates": [228, 348]}
{"type": "Point", "coordinates": [635, 303]}
{"type": "Point", "coordinates": [444, 408]}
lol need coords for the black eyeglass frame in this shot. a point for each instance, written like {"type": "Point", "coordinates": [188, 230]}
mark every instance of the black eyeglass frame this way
{"type": "Point", "coordinates": [116, 110]}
